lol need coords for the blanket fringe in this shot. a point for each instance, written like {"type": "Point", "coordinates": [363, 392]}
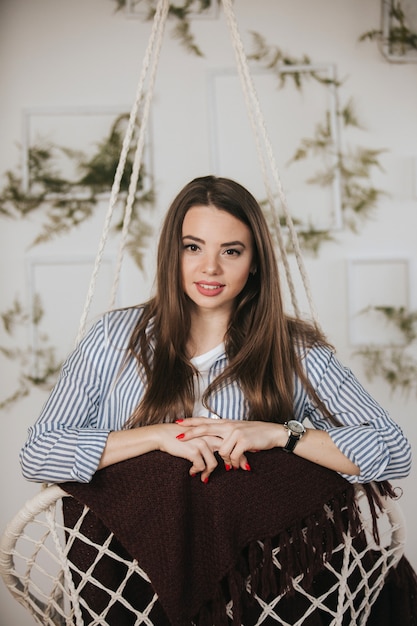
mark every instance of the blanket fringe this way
{"type": "Point", "coordinates": [374, 492]}
{"type": "Point", "coordinates": [304, 549]}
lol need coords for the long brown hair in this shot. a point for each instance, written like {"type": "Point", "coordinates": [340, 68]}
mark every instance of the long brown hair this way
{"type": "Point", "coordinates": [262, 343]}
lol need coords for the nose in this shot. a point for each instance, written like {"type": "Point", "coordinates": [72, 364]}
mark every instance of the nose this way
{"type": "Point", "coordinates": [211, 265]}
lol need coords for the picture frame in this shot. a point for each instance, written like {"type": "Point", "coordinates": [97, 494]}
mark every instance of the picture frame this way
{"type": "Point", "coordinates": [372, 283]}
{"type": "Point", "coordinates": [229, 126]}
{"type": "Point", "coordinates": [391, 51]}
{"type": "Point", "coordinates": [73, 130]}
{"type": "Point", "coordinates": [58, 284]}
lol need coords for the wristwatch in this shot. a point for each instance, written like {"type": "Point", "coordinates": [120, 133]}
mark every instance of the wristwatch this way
{"type": "Point", "coordinates": [296, 431]}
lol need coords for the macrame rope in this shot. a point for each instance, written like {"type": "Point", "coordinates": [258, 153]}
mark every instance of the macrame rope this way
{"type": "Point", "coordinates": [140, 146]}
{"type": "Point", "coordinates": [258, 123]}
{"type": "Point", "coordinates": [155, 40]}
{"type": "Point", "coordinates": [260, 134]}
{"type": "Point", "coordinates": [51, 521]}
{"type": "Point", "coordinates": [248, 95]}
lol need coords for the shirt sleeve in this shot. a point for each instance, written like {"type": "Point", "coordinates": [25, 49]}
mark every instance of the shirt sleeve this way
{"type": "Point", "coordinates": [66, 443]}
{"type": "Point", "coordinates": [367, 435]}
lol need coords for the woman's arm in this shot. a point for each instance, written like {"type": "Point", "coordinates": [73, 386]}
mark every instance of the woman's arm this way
{"type": "Point", "coordinates": [238, 437]}
{"type": "Point", "coordinates": [67, 440]}
{"type": "Point", "coordinates": [366, 434]}
{"type": "Point", "coordinates": [93, 396]}
{"type": "Point", "coordinates": [82, 426]}
{"type": "Point", "coordinates": [367, 445]}
{"type": "Point", "coordinates": [318, 447]}
{"type": "Point", "coordinates": [126, 444]}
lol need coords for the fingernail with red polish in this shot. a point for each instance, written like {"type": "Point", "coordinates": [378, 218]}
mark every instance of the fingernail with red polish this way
{"type": "Point", "coordinates": [205, 480]}
{"type": "Point", "coordinates": [247, 467]}
{"type": "Point", "coordinates": [181, 436]}
{"type": "Point", "coordinates": [227, 467]}
{"type": "Point", "coordinates": [179, 421]}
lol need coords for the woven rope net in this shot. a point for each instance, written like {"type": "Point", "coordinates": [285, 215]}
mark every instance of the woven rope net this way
{"type": "Point", "coordinates": [35, 566]}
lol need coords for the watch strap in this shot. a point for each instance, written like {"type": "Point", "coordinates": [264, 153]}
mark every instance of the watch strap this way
{"type": "Point", "coordinates": [291, 442]}
{"type": "Point", "coordinates": [293, 436]}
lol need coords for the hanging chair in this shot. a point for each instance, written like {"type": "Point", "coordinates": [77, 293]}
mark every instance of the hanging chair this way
{"type": "Point", "coordinates": [43, 563]}
{"type": "Point", "coordinates": [38, 551]}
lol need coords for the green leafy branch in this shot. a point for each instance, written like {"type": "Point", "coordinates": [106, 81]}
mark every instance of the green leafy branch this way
{"type": "Point", "coordinates": [396, 364]}
{"type": "Point", "coordinates": [47, 366]}
{"type": "Point", "coordinates": [393, 365]}
{"type": "Point", "coordinates": [182, 14]}
{"type": "Point", "coordinates": [403, 320]}
{"type": "Point", "coordinates": [273, 59]}
{"type": "Point", "coordinates": [400, 38]}
{"type": "Point", "coordinates": [352, 167]}
{"type": "Point", "coordinates": [310, 237]}
{"type": "Point", "coordinates": [68, 203]}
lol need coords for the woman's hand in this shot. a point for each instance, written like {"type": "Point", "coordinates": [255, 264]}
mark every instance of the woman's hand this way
{"type": "Point", "coordinates": [198, 450]}
{"type": "Point", "coordinates": [126, 444]}
{"type": "Point", "coordinates": [197, 439]}
{"type": "Point", "coordinates": [232, 439]}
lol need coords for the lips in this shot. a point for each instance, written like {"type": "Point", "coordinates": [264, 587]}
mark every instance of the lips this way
{"type": "Point", "coordinates": [209, 289]}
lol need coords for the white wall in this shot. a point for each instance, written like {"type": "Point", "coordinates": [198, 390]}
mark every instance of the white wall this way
{"type": "Point", "coordinates": [60, 54]}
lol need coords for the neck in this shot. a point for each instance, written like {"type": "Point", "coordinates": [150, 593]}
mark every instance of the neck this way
{"type": "Point", "coordinates": [207, 331]}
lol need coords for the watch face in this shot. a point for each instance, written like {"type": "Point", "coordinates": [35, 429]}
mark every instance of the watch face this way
{"type": "Point", "coordinates": [296, 427]}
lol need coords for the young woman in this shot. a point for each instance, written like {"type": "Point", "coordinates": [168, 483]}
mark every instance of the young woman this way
{"type": "Point", "coordinates": [211, 367]}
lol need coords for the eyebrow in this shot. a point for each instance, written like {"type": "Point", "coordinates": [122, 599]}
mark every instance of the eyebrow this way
{"type": "Point", "coordinates": [222, 245]}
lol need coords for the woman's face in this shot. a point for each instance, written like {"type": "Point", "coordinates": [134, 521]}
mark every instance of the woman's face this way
{"type": "Point", "coordinates": [217, 257]}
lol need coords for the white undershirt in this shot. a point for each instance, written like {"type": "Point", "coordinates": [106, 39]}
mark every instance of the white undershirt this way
{"type": "Point", "coordinates": [203, 363]}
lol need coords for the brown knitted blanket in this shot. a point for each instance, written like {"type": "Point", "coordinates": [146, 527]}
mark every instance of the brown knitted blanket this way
{"type": "Point", "coordinates": [194, 540]}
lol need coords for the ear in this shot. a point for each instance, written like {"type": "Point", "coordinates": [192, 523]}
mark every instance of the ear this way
{"type": "Point", "coordinates": [253, 270]}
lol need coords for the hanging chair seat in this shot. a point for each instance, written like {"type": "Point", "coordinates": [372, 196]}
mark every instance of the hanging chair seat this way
{"type": "Point", "coordinates": [71, 564]}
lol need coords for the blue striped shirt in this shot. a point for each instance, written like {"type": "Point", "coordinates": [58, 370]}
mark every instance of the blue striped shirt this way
{"type": "Point", "coordinates": [96, 394]}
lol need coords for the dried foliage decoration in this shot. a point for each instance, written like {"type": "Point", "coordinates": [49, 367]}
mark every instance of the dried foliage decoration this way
{"type": "Point", "coordinates": [352, 166]}
{"type": "Point", "coordinates": [276, 60]}
{"type": "Point", "coordinates": [399, 38]}
{"type": "Point", "coordinates": [181, 13]}
{"type": "Point", "coordinates": [64, 205]}
{"type": "Point", "coordinates": [68, 203]}
{"type": "Point", "coordinates": [38, 367]}
{"type": "Point", "coordinates": [396, 364]}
